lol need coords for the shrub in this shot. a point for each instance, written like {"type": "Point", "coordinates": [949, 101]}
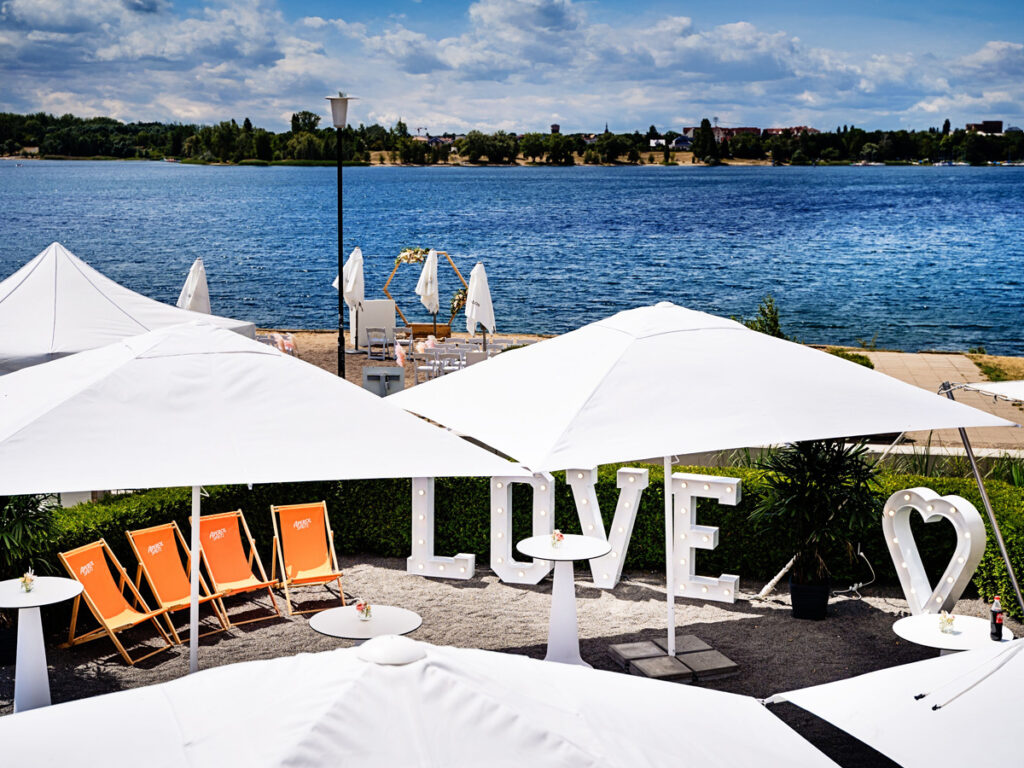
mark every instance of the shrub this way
{"type": "Point", "coordinates": [853, 357]}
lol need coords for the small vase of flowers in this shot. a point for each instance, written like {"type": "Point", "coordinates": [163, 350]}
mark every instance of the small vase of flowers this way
{"type": "Point", "coordinates": [946, 623]}
{"type": "Point", "coordinates": [363, 610]}
{"type": "Point", "coordinates": [28, 580]}
{"type": "Point", "coordinates": [557, 537]}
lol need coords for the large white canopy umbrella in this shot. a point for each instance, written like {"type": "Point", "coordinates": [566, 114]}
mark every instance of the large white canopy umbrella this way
{"type": "Point", "coordinates": [57, 305]}
{"type": "Point", "coordinates": [479, 309]}
{"type": "Point", "coordinates": [195, 293]}
{"type": "Point", "coordinates": [396, 702]}
{"type": "Point", "coordinates": [195, 404]}
{"type": "Point", "coordinates": [427, 288]}
{"type": "Point", "coordinates": [663, 381]}
{"type": "Point", "coordinates": [944, 711]}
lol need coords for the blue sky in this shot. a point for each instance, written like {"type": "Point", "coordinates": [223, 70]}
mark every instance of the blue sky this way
{"type": "Point", "coordinates": [519, 64]}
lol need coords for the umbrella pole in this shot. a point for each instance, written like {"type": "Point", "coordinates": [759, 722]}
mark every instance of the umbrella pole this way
{"type": "Point", "coordinates": [485, 339]}
{"type": "Point", "coordinates": [670, 576]}
{"type": "Point", "coordinates": [948, 389]}
{"type": "Point", "coordinates": [435, 325]}
{"type": "Point", "coordinates": [193, 609]}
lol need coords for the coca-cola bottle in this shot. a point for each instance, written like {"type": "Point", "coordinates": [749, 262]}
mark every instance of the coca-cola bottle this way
{"type": "Point", "coordinates": [996, 623]}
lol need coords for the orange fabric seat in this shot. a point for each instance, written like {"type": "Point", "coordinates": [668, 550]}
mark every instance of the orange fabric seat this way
{"type": "Point", "coordinates": [159, 556]}
{"type": "Point", "coordinates": [304, 544]}
{"type": "Point", "coordinates": [91, 566]}
{"type": "Point", "coordinates": [223, 551]}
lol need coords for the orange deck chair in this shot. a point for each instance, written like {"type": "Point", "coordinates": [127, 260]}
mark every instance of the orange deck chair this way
{"type": "Point", "coordinates": [159, 556]}
{"type": "Point", "coordinates": [304, 545]}
{"type": "Point", "coordinates": [91, 565]}
{"type": "Point", "coordinates": [231, 571]}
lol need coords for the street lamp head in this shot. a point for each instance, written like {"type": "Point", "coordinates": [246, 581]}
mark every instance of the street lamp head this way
{"type": "Point", "coordinates": [339, 109]}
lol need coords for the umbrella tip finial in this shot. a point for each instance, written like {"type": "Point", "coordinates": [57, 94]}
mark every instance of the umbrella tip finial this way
{"type": "Point", "coordinates": [392, 650]}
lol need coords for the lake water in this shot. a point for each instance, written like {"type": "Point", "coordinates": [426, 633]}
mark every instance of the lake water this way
{"type": "Point", "coordinates": [924, 257]}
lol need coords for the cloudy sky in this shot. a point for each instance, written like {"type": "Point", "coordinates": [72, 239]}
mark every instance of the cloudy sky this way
{"type": "Point", "coordinates": [449, 65]}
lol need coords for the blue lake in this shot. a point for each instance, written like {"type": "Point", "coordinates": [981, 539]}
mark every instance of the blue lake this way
{"type": "Point", "coordinates": [924, 257]}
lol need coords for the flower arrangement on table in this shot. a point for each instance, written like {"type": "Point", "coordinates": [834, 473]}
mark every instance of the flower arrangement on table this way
{"type": "Point", "coordinates": [557, 537]}
{"type": "Point", "coordinates": [946, 623]}
{"type": "Point", "coordinates": [411, 256]}
{"type": "Point", "coordinates": [459, 300]}
{"type": "Point", "coordinates": [28, 580]}
{"type": "Point", "coordinates": [363, 609]}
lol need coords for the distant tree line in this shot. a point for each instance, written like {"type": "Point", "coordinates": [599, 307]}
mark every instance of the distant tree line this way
{"type": "Point", "coordinates": [229, 142]}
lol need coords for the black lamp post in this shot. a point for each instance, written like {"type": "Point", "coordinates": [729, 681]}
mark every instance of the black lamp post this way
{"type": "Point", "coordinates": [339, 115]}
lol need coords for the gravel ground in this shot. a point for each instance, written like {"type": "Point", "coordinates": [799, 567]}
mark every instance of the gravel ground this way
{"type": "Point", "coordinates": [775, 652]}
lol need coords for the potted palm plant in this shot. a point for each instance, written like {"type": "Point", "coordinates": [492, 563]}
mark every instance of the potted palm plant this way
{"type": "Point", "coordinates": [819, 495]}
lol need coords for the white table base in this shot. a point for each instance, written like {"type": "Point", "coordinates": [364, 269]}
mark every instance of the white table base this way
{"type": "Point", "coordinates": [564, 630]}
{"type": "Point", "coordinates": [31, 680]}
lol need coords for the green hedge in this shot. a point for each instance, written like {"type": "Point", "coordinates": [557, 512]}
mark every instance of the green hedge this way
{"type": "Point", "coordinates": [372, 517]}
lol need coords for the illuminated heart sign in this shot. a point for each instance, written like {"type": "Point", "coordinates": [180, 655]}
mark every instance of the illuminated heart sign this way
{"type": "Point", "coordinates": [970, 546]}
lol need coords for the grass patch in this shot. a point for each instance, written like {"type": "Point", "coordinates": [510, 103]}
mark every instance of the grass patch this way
{"type": "Point", "coordinates": [998, 368]}
{"type": "Point", "coordinates": [853, 357]}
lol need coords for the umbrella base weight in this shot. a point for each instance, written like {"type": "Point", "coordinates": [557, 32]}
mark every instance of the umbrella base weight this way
{"type": "Point", "coordinates": [662, 667]}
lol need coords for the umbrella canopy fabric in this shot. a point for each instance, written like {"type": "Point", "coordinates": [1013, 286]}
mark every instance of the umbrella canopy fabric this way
{"type": "Point", "coordinates": [352, 280]}
{"type": "Point", "coordinates": [1011, 390]}
{"type": "Point", "coordinates": [479, 308]}
{"type": "Point", "coordinates": [978, 695]}
{"type": "Point", "coordinates": [665, 380]}
{"type": "Point", "coordinates": [441, 707]}
{"type": "Point", "coordinates": [195, 294]}
{"type": "Point", "coordinates": [195, 404]}
{"type": "Point", "coordinates": [426, 286]}
{"type": "Point", "coordinates": [57, 305]}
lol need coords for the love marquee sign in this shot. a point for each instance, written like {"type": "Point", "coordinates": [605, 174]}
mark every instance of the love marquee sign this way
{"type": "Point", "coordinates": [970, 546]}
{"type": "Point", "coordinates": [606, 571]}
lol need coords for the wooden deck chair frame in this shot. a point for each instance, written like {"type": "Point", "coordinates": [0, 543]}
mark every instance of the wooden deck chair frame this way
{"type": "Point", "coordinates": [205, 593]}
{"type": "Point", "coordinates": [254, 558]}
{"type": "Point", "coordinates": [279, 557]}
{"type": "Point", "coordinates": [105, 628]}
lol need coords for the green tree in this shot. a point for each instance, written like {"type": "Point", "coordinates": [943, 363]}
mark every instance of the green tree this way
{"type": "Point", "coordinates": [305, 122]}
{"type": "Point", "coordinates": [532, 146]}
{"type": "Point", "coordinates": [705, 148]}
{"type": "Point", "coordinates": [766, 320]}
{"type": "Point", "coordinates": [474, 146]}
{"type": "Point", "coordinates": [560, 149]}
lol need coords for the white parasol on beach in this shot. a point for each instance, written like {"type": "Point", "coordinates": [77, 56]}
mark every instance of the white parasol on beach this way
{"type": "Point", "coordinates": [57, 305]}
{"type": "Point", "coordinates": [479, 309]}
{"type": "Point", "coordinates": [353, 288]}
{"type": "Point", "coordinates": [195, 294]}
{"type": "Point", "coordinates": [664, 381]}
{"type": "Point", "coordinates": [396, 702]}
{"type": "Point", "coordinates": [944, 711]}
{"type": "Point", "coordinates": [193, 405]}
{"type": "Point", "coordinates": [426, 286]}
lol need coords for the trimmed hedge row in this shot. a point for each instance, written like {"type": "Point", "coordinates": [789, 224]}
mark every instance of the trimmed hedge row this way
{"type": "Point", "coordinates": [373, 517]}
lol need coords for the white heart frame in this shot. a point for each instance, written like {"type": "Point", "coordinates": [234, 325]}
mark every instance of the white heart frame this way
{"type": "Point", "coordinates": [970, 546]}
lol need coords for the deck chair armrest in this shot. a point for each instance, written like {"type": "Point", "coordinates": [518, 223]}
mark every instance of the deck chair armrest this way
{"type": "Point", "coordinates": [273, 560]}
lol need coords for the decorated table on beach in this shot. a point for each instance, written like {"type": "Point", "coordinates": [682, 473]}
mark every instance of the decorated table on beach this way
{"type": "Point", "coordinates": [968, 632]}
{"type": "Point", "coordinates": [384, 620]}
{"type": "Point", "coordinates": [31, 682]}
{"type": "Point", "coordinates": [563, 628]}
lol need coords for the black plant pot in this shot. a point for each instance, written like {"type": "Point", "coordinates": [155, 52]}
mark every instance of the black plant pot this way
{"type": "Point", "coordinates": [810, 601]}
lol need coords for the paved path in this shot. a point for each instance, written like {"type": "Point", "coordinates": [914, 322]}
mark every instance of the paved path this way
{"type": "Point", "coordinates": [929, 371]}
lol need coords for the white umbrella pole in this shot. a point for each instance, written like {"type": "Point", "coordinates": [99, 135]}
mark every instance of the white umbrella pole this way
{"type": "Point", "coordinates": [988, 504]}
{"type": "Point", "coordinates": [670, 576]}
{"type": "Point", "coordinates": [193, 609]}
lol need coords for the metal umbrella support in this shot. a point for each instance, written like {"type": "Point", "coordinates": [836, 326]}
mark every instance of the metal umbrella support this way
{"type": "Point", "coordinates": [947, 389]}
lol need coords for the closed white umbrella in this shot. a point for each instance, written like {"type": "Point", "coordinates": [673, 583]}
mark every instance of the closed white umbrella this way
{"type": "Point", "coordinates": [427, 288]}
{"type": "Point", "coordinates": [946, 711]}
{"type": "Point", "coordinates": [195, 294]}
{"type": "Point", "coordinates": [353, 289]}
{"type": "Point", "coordinates": [395, 702]}
{"type": "Point", "coordinates": [665, 380]}
{"type": "Point", "coordinates": [57, 305]}
{"type": "Point", "coordinates": [193, 405]}
{"type": "Point", "coordinates": [479, 309]}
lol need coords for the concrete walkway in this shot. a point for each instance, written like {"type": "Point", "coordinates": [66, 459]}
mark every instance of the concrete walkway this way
{"type": "Point", "coordinates": [929, 371]}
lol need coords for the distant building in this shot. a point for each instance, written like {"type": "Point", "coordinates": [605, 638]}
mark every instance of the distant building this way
{"type": "Point", "coordinates": [1014, 129]}
{"type": "Point", "coordinates": [721, 132]}
{"type": "Point", "coordinates": [681, 143]}
{"type": "Point", "coordinates": [657, 143]}
{"type": "Point", "coordinates": [795, 130]}
{"type": "Point", "coordinates": [556, 128]}
{"type": "Point", "coordinates": [986, 127]}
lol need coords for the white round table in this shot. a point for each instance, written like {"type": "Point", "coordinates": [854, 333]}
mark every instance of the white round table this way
{"type": "Point", "coordinates": [969, 632]}
{"type": "Point", "coordinates": [31, 682]}
{"type": "Point", "coordinates": [563, 627]}
{"type": "Point", "coordinates": [384, 620]}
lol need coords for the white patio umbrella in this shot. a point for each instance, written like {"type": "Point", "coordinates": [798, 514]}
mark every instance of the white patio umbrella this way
{"type": "Point", "coordinates": [57, 305]}
{"type": "Point", "coordinates": [193, 405]}
{"type": "Point", "coordinates": [397, 702]}
{"type": "Point", "coordinates": [663, 381]}
{"type": "Point", "coordinates": [479, 309]}
{"type": "Point", "coordinates": [353, 288]}
{"type": "Point", "coordinates": [1011, 390]}
{"type": "Point", "coordinates": [195, 294]}
{"type": "Point", "coordinates": [944, 711]}
{"type": "Point", "coordinates": [427, 288]}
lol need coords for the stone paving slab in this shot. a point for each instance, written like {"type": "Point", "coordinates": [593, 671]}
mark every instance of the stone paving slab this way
{"type": "Point", "coordinates": [624, 653]}
{"type": "Point", "coordinates": [710, 665]}
{"type": "Point", "coordinates": [662, 667]}
{"type": "Point", "coordinates": [684, 644]}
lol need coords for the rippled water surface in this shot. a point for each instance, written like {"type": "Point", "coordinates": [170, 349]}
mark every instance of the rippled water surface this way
{"type": "Point", "coordinates": [926, 258]}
